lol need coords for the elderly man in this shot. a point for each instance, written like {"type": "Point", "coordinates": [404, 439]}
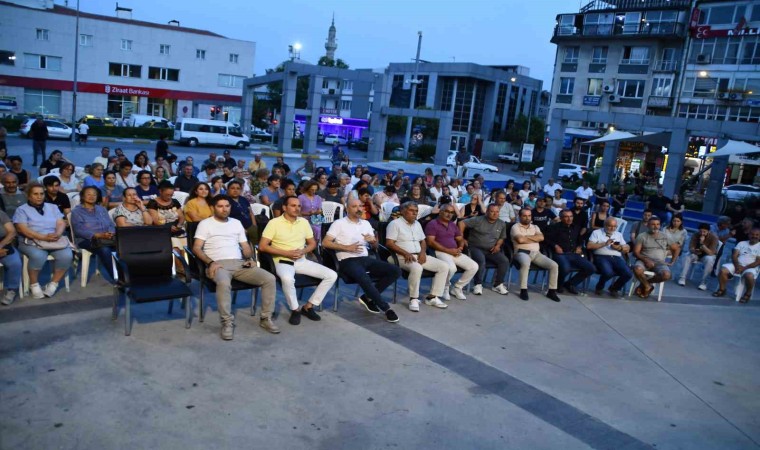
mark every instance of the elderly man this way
{"type": "Point", "coordinates": [567, 245]}
{"type": "Point", "coordinates": [289, 238]}
{"type": "Point", "coordinates": [703, 246]}
{"type": "Point", "coordinates": [485, 241]}
{"type": "Point", "coordinates": [187, 180]}
{"type": "Point", "coordinates": [550, 187]}
{"type": "Point", "coordinates": [257, 163]}
{"type": "Point", "coordinates": [405, 237]}
{"type": "Point", "coordinates": [651, 251]}
{"type": "Point", "coordinates": [11, 196]}
{"type": "Point", "coordinates": [349, 238]}
{"type": "Point", "coordinates": [527, 238]}
{"type": "Point", "coordinates": [608, 246]}
{"type": "Point", "coordinates": [221, 243]}
{"type": "Point", "coordinates": [745, 262]}
{"type": "Point", "coordinates": [446, 239]}
{"type": "Point", "coordinates": [506, 210]}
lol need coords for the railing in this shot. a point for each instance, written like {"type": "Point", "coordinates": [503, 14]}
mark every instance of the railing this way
{"type": "Point", "coordinates": [659, 102]}
{"type": "Point", "coordinates": [608, 29]}
{"type": "Point", "coordinates": [598, 5]}
{"type": "Point", "coordinates": [635, 61]}
{"type": "Point", "coordinates": [666, 65]}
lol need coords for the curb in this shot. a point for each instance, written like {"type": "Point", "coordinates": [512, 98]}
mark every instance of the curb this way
{"type": "Point", "coordinates": [125, 140]}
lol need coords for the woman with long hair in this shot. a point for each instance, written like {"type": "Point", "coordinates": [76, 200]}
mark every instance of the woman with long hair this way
{"type": "Point", "coordinates": [197, 206]}
{"type": "Point", "coordinates": [474, 208]}
{"type": "Point", "coordinates": [598, 217]}
{"type": "Point", "coordinates": [161, 174]}
{"type": "Point", "coordinates": [675, 230]}
{"type": "Point", "coordinates": [311, 207]}
{"type": "Point", "coordinates": [141, 163]}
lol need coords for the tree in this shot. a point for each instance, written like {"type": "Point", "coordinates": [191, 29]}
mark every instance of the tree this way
{"type": "Point", "coordinates": [339, 63]}
{"type": "Point", "coordinates": [516, 132]}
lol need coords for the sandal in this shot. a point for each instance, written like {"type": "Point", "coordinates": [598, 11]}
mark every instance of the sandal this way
{"type": "Point", "coordinates": [745, 298]}
{"type": "Point", "coordinates": [645, 293]}
{"type": "Point", "coordinates": [637, 291]}
{"type": "Point", "coordinates": [719, 293]}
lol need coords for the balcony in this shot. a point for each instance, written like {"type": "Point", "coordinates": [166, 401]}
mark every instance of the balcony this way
{"type": "Point", "coordinates": [605, 31]}
{"type": "Point", "coordinates": [659, 102]}
{"type": "Point", "coordinates": [666, 65]}
{"type": "Point", "coordinates": [623, 5]}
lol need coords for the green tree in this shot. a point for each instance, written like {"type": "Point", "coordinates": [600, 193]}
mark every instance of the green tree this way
{"type": "Point", "coordinates": [339, 63]}
{"type": "Point", "coordinates": [516, 132]}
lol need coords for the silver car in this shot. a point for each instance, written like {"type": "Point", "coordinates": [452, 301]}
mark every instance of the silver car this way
{"type": "Point", "coordinates": [56, 129]}
{"type": "Point", "coordinates": [738, 192]}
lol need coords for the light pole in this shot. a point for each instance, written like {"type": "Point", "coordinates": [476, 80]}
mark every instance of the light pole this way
{"type": "Point", "coordinates": [295, 51]}
{"type": "Point", "coordinates": [76, 69]}
{"type": "Point", "coordinates": [414, 82]}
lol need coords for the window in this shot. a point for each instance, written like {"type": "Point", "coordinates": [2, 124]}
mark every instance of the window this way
{"type": "Point", "coordinates": [325, 83]}
{"type": "Point", "coordinates": [85, 40]}
{"type": "Point", "coordinates": [571, 54]}
{"type": "Point", "coordinates": [661, 22]}
{"type": "Point", "coordinates": [43, 34]}
{"type": "Point", "coordinates": [232, 81]}
{"type": "Point", "coordinates": [635, 55]}
{"type": "Point", "coordinates": [597, 24]}
{"type": "Point", "coordinates": [661, 86]}
{"type": "Point", "coordinates": [42, 101]}
{"type": "Point", "coordinates": [162, 73]}
{"type": "Point", "coordinates": [124, 70]}
{"type": "Point", "coordinates": [126, 44]}
{"type": "Point", "coordinates": [345, 105]}
{"type": "Point", "coordinates": [595, 86]}
{"type": "Point", "coordinates": [599, 55]}
{"type": "Point", "coordinates": [566, 85]}
{"type": "Point", "coordinates": [720, 15]}
{"type": "Point", "coordinates": [750, 86]}
{"type": "Point", "coordinates": [631, 23]}
{"type": "Point", "coordinates": [7, 58]}
{"type": "Point", "coordinates": [234, 58]}
{"type": "Point", "coordinates": [349, 85]}
{"type": "Point", "coordinates": [44, 62]}
{"type": "Point", "coordinates": [755, 16]}
{"type": "Point", "coordinates": [120, 106]}
{"type": "Point", "coordinates": [567, 25]}
{"type": "Point", "coordinates": [164, 49]}
{"type": "Point", "coordinates": [631, 88]}
{"type": "Point", "coordinates": [751, 51]}
{"type": "Point", "coordinates": [200, 54]}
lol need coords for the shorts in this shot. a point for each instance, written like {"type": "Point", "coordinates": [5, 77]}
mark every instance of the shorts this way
{"type": "Point", "coordinates": [659, 267]}
{"type": "Point", "coordinates": [732, 270]}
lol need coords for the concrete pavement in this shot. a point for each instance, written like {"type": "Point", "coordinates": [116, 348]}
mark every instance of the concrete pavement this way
{"type": "Point", "coordinates": [491, 372]}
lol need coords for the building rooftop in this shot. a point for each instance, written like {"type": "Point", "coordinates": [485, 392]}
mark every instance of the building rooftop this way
{"type": "Point", "coordinates": [634, 4]}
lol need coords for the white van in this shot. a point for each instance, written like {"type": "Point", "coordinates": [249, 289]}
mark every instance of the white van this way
{"type": "Point", "coordinates": [194, 132]}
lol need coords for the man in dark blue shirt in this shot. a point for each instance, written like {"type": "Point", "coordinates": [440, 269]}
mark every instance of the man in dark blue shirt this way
{"type": "Point", "coordinates": [566, 243]}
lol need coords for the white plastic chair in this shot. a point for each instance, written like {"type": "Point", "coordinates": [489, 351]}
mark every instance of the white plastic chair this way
{"type": "Point", "coordinates": [386, 210]}
{"type": "Point", "coordinates": [172, 180]}
{"type": "Point", "coordinates": [25, 283]}
{"type": "Point", "coordinates": [660, 286]}
{"type": "Point", "coordinates": [258, 208]}
{"type": "Point", "coordinates": [741, 286]}
{"type": "Point", "coordinates": [112, 214]}
{"type": "Point", "coordinates": [621, 224]}
{"type": "Point", "coordinates": [180, 196]}
{"type": "Point", "coordinates": [423, 211]}
{"type": "Point", "coordinates": [84, 255]}
{"type": "Point", "coordinates": [329, 211]}
{"type": "Point", "coordinates": [73, 199]}
{"type": "Point", "coordinates": [55, 171]}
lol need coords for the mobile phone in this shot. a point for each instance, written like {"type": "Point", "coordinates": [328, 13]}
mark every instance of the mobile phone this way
{"type": "Point", "coordinates": [616, 243]}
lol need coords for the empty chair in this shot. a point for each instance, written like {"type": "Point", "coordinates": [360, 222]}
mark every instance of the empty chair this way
{"type": "Point", "coordinates": [332, 211]}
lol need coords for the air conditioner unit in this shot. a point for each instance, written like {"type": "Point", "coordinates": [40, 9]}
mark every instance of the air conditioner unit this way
{"type": "Point", "coordinates": [704, 58]}
{"type": "Point", "coordinates": [724, 96]}
{"type": "Point", "coordinates": [331, 91]}
{"type": "Point", "coordinates": [608, 88]}
{"type": "Point", "coordinates": [736, 96]}
{"type": "Point", "coordinates": [614, 98]}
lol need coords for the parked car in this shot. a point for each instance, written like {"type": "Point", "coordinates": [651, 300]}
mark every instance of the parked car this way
{"type": "Point", "coordinates": [566, 171]}
{"type": "Point", "coordinates": [330, 139]}
{"type": "Point", "coordinates": [473, 164]}
{"type": "Point", "coordinates": [738, 192]}
{"type": "Point", "coordinates": [94, 121]}
{"type": "Point", "coordinates": [260, 135]}
{"type": "Point", "coordinates": [360, 144]}
{"type": "Point", "coordinates": [56, 129]}
{"type": "Point", "coordinates": [194, 132]}
{"type": "Point", "coordinates": [509, 158]}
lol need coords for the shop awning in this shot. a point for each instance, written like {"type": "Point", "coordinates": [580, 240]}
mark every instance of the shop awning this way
{"type": "Point", "coordinates": [610, 137]}
{"type": "Point", "coordinates": [661, 138]}
{"type": "Point", "coordinates": [734, 148]}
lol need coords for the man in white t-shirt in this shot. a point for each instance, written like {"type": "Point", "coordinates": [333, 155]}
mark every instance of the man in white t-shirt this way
{"type": "Point", "coordinates": [550, 187]}
{"type": "Point", "coordinates": [83, 130]}
{"type": "Point", "coordinates": [349, 237]}
{"type": "Point", "coordinates": [608, 246]}
{"type": "Point", "coordinates": [745, 263]}
{"type": "Point", "coordinates": [406, 238]}
{"type": "Point", "coordinates": [221, 243]}
{"type": "Point", "coordinates": [585, 192]}
{"type": "Point", "coordinates": [103, 158]}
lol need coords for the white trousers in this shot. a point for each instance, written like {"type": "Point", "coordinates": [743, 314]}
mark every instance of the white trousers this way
{"type": "Point", "coordinates": [287, 274]}
{"type": "Point", "coordinates": [463, 261]}
{"type": "Point", "coordinates": [415, 269]}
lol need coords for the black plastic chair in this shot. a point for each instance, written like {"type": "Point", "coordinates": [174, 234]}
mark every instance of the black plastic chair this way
{"type": "Point", "coordinates": [330, 259]}
{"type": "Point", "coordinates": [302, 281]}
{"type": "Point", "coordinates": [144, 261]}
{"type": "Point", "coordinates": [384, 254]}
{"type": "Point", "coordinates": [198, 271]}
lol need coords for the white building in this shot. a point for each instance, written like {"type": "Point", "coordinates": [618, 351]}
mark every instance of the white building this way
{"type": "Point", "coordinates": [124, 65]}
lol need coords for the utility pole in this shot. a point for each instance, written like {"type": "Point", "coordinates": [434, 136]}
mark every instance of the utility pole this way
{"type": "Point", "coordinates": [76, 69]}
{"type": "Point", "coordinates": [414, 82]}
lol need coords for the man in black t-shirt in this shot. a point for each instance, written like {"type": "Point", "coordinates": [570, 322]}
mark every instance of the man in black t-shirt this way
{"type": "Point", "coordinates": [580, 216]}
{"type": "Point", "coordinates": [618, 201]}
{"type": "Point", "coordinates": [658, 204]}
{"type": "Point", "coordinates": [162, 147]}
{"type": "Point", "coordinates": [282, 166]}
{"type": "Point", "coordinates": [542, 217]}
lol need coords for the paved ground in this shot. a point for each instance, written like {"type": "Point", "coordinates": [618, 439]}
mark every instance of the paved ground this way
{"type": "Point", "coordinates": [491, 372]}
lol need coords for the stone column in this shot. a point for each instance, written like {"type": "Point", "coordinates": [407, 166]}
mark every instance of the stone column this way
{"type": "Point", "coordinates": [444, 138]}
{"type": "Point", "coordinates": [554, 147]}
{"type": "Point", "coordinates": [287, 115]}
{"type": "Point", "coordinates": [311, 128]}
{"type": "Point", "coordinates": [679, 141]}
{"type": "Point", "coordinates": [713, 201]}
{"type": "Point", "coordinates": [609, 159]}
{"type": "Point", "coordinates": [246, 109]}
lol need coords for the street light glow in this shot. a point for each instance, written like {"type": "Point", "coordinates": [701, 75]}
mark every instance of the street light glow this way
{"type": "Point", "coordinates": [703, 73]}
{"type": "Point", "coordinates": [297, 46]}
{"type": "Point", "coordinates": [513, 79]}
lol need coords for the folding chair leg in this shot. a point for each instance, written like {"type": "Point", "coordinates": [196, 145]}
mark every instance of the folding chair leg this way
{"type": "Point", "coordinates": [171, 306]}
{"type": "Point", "coordinates": [188, 310]}
{"type": "Point", "coordinates": [255, 300]}
{"type": "Point", "coordinates": [115, 308]}
{"type": "Point", "coordinates": [395, 288]}
{"type": "Point", "coordinates": [127, 316]}
{"type": "Point", "coordinates": [335, 295]}
{"type": "Point", "coordinates": [201, 307]}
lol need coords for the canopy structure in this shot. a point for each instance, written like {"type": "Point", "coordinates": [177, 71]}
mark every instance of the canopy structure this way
{"type": "Point", "coordinates": [735, 148]}
{"type": "Point", "coordinates": [661, 138]}
{"type": "Point", "coordinates": [610, 137]}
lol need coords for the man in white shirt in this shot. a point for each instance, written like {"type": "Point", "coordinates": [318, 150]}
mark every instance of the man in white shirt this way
{"type": "Point", "coordinates": [207, 173]}
{"type": "Point", "coordinates": [83, 130]}
{"type": "Point", "coordinates": [221, 243]}
{"type": "Point", "coordinates": [103, 158]}
{"type": "Point", "coordinates": [550, 187]}
{"type": "Point", "coordinates": [406, 238]}
{"type": "Point", "coordinates": [745, 263]}
{"type": "Point", "coordinates": [584, 192]}
{"type": "Point", "coordinates": [608, 246]}
{"type": "Point", "coordinates": [349, 237]}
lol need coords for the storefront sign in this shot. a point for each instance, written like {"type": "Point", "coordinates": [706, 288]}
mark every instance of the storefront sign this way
{"type": "Point", "coordinates": [591, 100]}
{"type": "Point", "coordinates": [527, 153]}
{"type": "Point", "coordinates": [753, 102]}
{"type": "Point", "coordinates": [706, 31]}
{"type": "Point", "coordinates": [125, 90]}
{"type": "Point", "coordinates": [7, 102]}
{"type": "Point", "coordinates": [331, 120]}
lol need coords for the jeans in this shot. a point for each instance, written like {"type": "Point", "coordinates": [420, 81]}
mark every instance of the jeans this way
{"type": "Point", "coordinates": [38, 147]}
{"type": "Point", "coordinates": [480, 256]}
{"type": "Point", "coordinates": [287, 274]}
{"type": "Point", "coordinates": [610, 266]}
{"type": "Point", "coordinates": [440, 268]}
{"type": "Point", "coordinates": [233, 268]}
{"type": "Point", "coordinates": [708, 260]}
{"type": "Point", "coordinates": [470, 267]}
{"type": "Point", "coordinates": [362, 269]}
{"type": "Point", "coordinates": [524, 261]}
{"type": "Point", "coordinates": [104, 257]}
{"type": "Point", "coordinates": [12, 267]}
{"type": "Point", "coordinates": [569, 262]}
{"type": "Point", "coordinates": [38, 256]}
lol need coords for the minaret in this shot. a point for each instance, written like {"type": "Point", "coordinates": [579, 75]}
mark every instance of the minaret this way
{"type": "Point", "coordinates": [331, 45]}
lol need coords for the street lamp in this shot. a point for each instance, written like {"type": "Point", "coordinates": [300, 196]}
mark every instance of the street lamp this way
{"type": "Point", "coordinates": [414, 82]}
{"type": "Point", "coordinates": [295, 51]}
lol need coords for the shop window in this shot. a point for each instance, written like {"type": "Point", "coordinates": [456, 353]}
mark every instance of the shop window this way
{"type": "Point", "coordinates": [120, 106]}
{"type": "Point", "coordinates": [42, 101]}
{"type": "Point", "coordinates": [124, 70]}
{"type": "Point", "coordinates": [43, 62]}
{"type": "Point", "coordinates": [162, 73]}
{"type": "Point", "coordinates": [7, 58]}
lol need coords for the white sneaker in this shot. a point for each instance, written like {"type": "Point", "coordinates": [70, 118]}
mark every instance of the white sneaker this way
{"type": "Point", "coordinates": [414, 305]}
{"type": "Point", "coordinates": [477, 289]}
{"type": "Point", "coordinates": [501, 289]}
{"type": "Point", "coordinates": [446, 295]}
{"type": "Point", "coordinates": [435, 301]}
{"type": "Point", "coordinates": [682, 281]}
{"type": "Point", "coordinates": [10, 297]}
{"type": "Point", "coordinates": [702, 287]}
{"type": "Point", "coordinates": [36, 291]}
{"type": "Point", "coordinates": [458, 293]}
{"type": "Point", "coordinates": [50, 289]}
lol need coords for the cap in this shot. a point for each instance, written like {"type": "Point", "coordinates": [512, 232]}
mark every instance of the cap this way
{"type": "Point", "coordinates": [226, 152]}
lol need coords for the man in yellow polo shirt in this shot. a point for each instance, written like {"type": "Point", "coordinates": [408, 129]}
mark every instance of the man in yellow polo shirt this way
{"type": "Point", "coordinates": [289, 239]}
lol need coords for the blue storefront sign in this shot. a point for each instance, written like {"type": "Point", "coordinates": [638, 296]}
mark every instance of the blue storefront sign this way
{"type": "Point", "coordinates": [591, 100]}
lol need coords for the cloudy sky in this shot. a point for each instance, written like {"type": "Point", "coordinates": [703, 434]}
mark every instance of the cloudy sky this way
{"type": "Point", "coordinates": [372, 33]}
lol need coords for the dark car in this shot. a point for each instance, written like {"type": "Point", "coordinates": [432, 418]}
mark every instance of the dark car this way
{"type": "Point", "coordinates": [360, 144]}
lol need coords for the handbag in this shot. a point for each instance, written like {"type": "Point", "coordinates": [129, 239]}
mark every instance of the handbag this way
{"type": "Point", "coordinates": [60, 244]}
{"type": "Point", "coordinates": [102, 242]}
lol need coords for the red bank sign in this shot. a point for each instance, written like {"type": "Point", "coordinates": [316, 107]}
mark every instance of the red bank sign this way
{"type": "Point", "coordinates": [122, 90]}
